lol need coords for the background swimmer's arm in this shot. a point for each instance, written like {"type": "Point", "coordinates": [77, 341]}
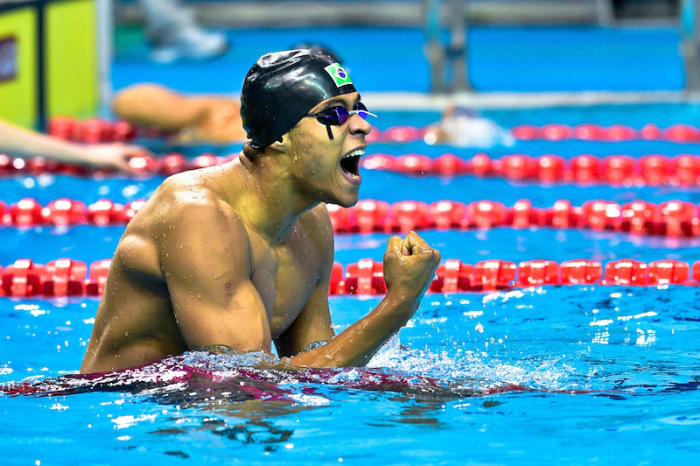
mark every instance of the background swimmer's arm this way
{"type": "Point", "coordinates": [205, 259]}
{"type": "Point", "coordinates": [155, 106]}
{"type": "Point", "coordinates": [409, 266]}
{"type": "Point", "coordinates": [20, 142]}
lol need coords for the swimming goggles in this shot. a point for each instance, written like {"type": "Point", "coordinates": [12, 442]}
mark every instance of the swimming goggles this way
{"type": "Point", "coordinates": [338, 115]}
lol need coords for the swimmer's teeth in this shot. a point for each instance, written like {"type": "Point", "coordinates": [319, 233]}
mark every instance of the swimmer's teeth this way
{"type": "Point", "coordinates": [351, 162]}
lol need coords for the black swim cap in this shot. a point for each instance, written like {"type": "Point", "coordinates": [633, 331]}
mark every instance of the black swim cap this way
{"type": "Point", "coordinates": [281, 88]}
{"type": "Point", "coordinates": [320, 48]}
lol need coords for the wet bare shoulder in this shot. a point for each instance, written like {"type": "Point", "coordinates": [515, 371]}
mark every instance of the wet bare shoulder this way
{"type": "Point", "coordinates": [190, 202]}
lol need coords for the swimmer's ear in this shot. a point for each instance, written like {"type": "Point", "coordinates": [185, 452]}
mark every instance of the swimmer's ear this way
{"type": "Point", "coordinates": [283, 144]}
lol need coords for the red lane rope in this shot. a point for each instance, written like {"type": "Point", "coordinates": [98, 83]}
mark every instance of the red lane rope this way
{"type": "Point", "coordinates": [141, 165]}
{"type": "Point", "coordinates": [651, 169]}
{"type": "Point", "coordinates": [95, 130]}
{"type": "Point", "coordinates": [620, 170]}
{"type": "Point", "coordinates": [678, 219]}
{"type": "Point", "coordinates": [680, 133]}
{"type": "Point", "coordinates": [67, 277]}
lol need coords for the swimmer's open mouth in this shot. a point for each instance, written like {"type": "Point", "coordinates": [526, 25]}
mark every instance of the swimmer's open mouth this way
{"type": "Point", "coordinates": [351, 162]}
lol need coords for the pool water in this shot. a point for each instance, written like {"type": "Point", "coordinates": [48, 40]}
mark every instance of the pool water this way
{"type": "Point", "coordinates": [547, 375]}
{"type": "Point", "coordinates": [605, 367]}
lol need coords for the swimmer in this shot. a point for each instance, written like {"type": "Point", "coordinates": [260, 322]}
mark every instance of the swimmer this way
{"type": "Point", "coordinates": [463, 127]}
{"type": "Point", "coordinates": [240, 255]}
{"type": "Point", "coordinates": [20, 142]}
{"type": "Point", "coordinates": [190, 119]}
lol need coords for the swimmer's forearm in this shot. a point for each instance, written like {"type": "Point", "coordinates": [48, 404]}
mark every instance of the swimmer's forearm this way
{"type": "Point", "coordinates": [355, 346]}
{"type": "Point", "coordinates": [19, 142]}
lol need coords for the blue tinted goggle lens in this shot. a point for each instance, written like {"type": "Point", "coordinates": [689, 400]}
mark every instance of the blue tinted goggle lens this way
{"type": "Point", "coordinates": [339, 115]}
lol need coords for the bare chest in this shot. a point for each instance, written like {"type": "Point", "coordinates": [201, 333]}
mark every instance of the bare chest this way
{"type": "Point", "coordinates": [285, 276]}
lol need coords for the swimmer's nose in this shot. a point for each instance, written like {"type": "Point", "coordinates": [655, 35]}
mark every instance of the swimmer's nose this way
{"type": "Point", "coordinates": [359, 125]}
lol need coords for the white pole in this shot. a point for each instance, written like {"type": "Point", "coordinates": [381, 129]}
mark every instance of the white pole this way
{"type": "Point", "coordinates": [105, 45]}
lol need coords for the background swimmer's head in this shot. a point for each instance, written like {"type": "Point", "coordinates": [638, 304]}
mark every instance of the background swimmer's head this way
{"type": "Point", "coordinates": [282, 87]}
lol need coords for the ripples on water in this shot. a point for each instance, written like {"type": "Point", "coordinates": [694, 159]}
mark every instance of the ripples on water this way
{"type": "Point", "coordinates": [469, 373]}
{"type": "Point", "coordinates": [516, 340]}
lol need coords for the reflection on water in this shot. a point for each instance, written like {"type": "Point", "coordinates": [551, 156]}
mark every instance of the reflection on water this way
{"type": "Point", "coordinates": [201, 376]}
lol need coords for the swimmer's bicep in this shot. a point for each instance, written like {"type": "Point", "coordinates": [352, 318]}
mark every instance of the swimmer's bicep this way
{"type": "Point", "coordinates": [207, 271]}
{"type": "Point", "coordinates": [240, 324]}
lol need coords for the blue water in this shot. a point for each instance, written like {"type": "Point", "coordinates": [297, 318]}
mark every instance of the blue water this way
{"type": "Point", "coordinates": [605, 374]}
{"type": "Point", "coordinates": [603, 366]}
{"type": "Point", "coordinates": [630, 355]}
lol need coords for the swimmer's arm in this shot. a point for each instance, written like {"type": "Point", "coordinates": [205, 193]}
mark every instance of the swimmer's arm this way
{"type": "Point", "coordinates": [155, 106]}
{"type": "Point", "coordinates": [355, 346]}
{"type": "Point", "coordinates": [20, 142]}
{"type": "Point", "coordinates": [409, 265]}
{"type": "Point", "coordinates": [205, 259]}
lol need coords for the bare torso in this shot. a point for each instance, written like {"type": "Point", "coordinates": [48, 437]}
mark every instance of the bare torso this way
{"type": "Point", "coordinates": [241, 255]}
{"type": "Point", "coordinates": [137, 322]}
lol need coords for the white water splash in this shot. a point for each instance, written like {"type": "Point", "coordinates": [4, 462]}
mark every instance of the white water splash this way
{"type": "Point", "coordinates": [474, 369]}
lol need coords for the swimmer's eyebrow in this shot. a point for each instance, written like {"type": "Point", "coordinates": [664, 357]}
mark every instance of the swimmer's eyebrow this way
{"type": "Point", "coordinates": [338, 100]}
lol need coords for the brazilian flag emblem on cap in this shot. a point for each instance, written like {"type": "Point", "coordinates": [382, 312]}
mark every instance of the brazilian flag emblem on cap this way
{"type": "Point", "coordinates": [339, 75]}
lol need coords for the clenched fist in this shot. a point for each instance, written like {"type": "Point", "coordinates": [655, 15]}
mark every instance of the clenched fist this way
{"type": "Point", "coordinates": [409, 265]}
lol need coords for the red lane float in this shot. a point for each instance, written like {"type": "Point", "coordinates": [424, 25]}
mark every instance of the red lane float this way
{"type": "Point", "coordinates": [67, 212]}
{"type": "Point", "coordinates": [680, 133]}
{"type": "Point", "coordinates": [618, 170]}
{"type": "Point", "coordinates": [141, 165]}
{"type": "Point", "coordinates": [65, 277]}
{"type": "Point", "coordinates": [69, 278]}
{"type": "Point", "coordinates": [94, 130]}
{"type": "Point", "coordinates": [677, 219]}
{"type": "Point", "coordinates": [623, 170]}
